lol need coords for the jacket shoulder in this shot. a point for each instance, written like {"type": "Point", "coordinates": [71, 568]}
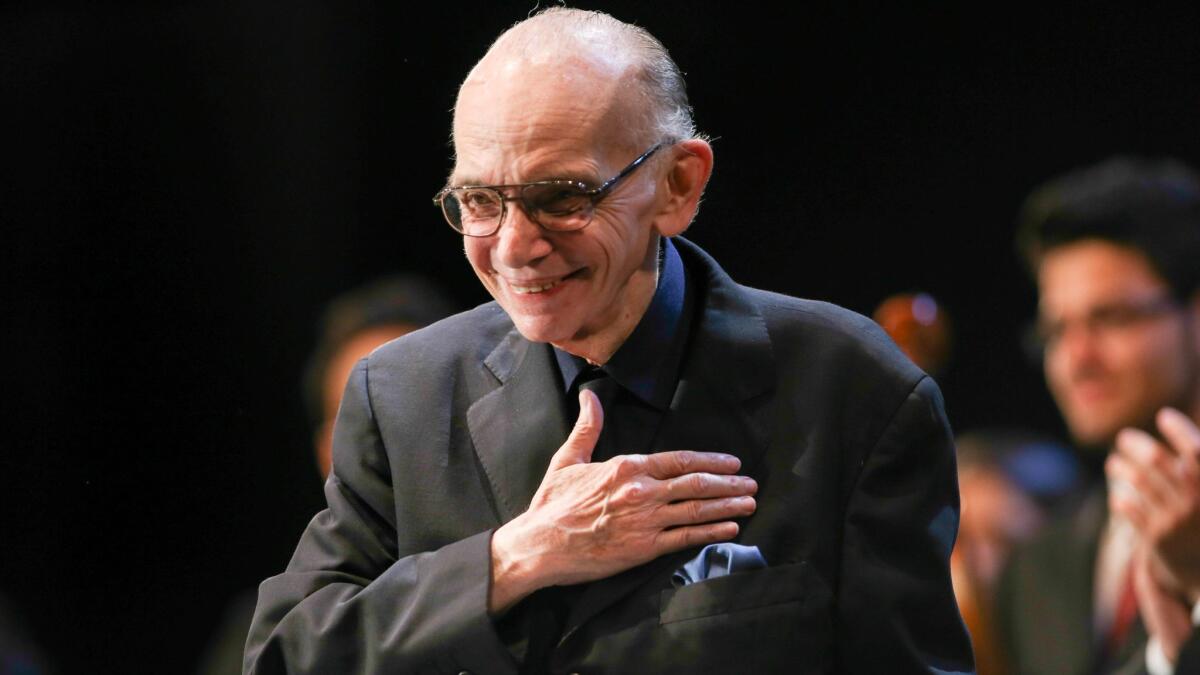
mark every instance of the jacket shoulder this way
{"type": "Point", "coordinates": [462, 338]}
{"type": "Point", "coordinates": [812, 329]}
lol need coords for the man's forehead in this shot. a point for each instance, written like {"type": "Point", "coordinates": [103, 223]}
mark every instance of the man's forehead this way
{"type": "Point", "coordinates": [507, 89]}
{"type": "Point", "coordinates": [1093, 273]}
{"type": "Point", "coordinates": [545, 118]}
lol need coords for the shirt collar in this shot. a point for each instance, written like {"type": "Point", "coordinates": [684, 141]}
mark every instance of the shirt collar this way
{"type": "Point", "coordinates": [647, 362]}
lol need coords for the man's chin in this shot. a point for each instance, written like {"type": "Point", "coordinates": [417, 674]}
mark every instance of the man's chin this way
{"type": "Point", "coordinates": [540, 329]}
{"type": "Point", "coordinates": [1093, 439]}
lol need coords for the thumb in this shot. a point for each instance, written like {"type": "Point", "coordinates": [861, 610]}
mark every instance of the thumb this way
{"type": "Point", "coordinates": [579, 445]}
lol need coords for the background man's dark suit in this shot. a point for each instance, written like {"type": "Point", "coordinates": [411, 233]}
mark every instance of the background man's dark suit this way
{"type": "Point", "coordinates": [1047, 601]}
{"type": "Point", "coordinates": [1046, 604]}
{"type": "Point", "coordinates": [440, 432]}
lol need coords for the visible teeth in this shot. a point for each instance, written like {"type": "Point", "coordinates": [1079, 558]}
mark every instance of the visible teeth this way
{"type": "Point", "coordinates": [538, 288]}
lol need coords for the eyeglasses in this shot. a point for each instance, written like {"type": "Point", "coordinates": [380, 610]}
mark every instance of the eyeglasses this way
{"type": "Point", "coordinates": [555, 205]}
{"type": "Point", "coordinates": [1103, 321]}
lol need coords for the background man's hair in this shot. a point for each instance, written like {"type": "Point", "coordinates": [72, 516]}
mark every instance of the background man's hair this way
{"type": "Point", "coordinates": [1151, 205]}
{"type": "Point", "coordinates": [403, 299]}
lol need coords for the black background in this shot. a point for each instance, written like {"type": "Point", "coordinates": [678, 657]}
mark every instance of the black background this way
{"type": "Point", "coordinates": [186, 184]}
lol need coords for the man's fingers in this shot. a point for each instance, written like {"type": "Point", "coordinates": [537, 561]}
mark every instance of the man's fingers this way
{"type": "Point", "coordinates": [1123, 497]}
{"type": "Point", "coordinates": [664, 465]}
{"type": "Point", "coordinates": [579, 445]}
{"type": "Point", "coordinates": [695, 535]}
{"type": "Point", "coordinates": [1152, 469]}
{"type": "Point", "coordinates": [1133, 481]}
{"type": "Point", "coordinates": [697, 511]}
{"type": "Point", "coordinates": [1182, 433]}
{"type": "Point", "coordinates": [707, 486]}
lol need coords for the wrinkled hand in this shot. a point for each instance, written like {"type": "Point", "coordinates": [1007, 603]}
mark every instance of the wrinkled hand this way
{"type": "Point", "coordinates": [590, 521]}
{"type": "Point", "coordinates": [1157, 487]}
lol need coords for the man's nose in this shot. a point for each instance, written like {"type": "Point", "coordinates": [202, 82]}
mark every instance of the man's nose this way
{"type": "Point", "coordinates": [520, 240]}
{"type": "Point", "coordinates": [1078, 344]}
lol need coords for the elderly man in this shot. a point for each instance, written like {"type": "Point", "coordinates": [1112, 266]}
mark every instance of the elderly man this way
{"type": "Point", "coordinates": [1116, 251]}
{"type": "Point", "coordinates": [752, 483]}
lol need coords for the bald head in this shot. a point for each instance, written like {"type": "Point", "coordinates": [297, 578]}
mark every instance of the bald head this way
{"type": "Point", "coordinates": [613, 68]}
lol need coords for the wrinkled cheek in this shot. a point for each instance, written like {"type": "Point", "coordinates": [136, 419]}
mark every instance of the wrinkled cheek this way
{"type": "Point", "coordinates": [477, 256]}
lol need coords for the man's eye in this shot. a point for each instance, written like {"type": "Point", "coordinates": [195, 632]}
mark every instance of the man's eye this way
{"type": "Point", "coordinates": [477, 200]}
{"type": "Point", "coordinates": [1115, 317]}
{"type": "Point", "coordinates": [559, 201]}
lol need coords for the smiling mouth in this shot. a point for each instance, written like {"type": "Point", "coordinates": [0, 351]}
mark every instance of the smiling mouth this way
{"type": "Point", "coordinates": [535, 288]}
{"type": "Point", "coordinates": [525, 288]}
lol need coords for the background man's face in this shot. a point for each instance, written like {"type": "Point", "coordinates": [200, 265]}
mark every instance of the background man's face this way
{"type": "Point", "coordinates": [528, 124]}
{"type": "Point", "coordinates": [337, 372]}
{"type": "Point", "coordinates": [1109, 368]}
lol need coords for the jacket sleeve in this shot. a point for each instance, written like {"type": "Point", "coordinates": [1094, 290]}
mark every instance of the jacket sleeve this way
{"type": "Point", "coordinates": [896, 609]}
{"type": "Point", "coordinates": [349, 602]}
{"type": "Point", "coordinates": [1189, 655]}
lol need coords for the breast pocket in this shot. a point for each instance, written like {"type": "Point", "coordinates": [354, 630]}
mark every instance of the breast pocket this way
{"type": "Point", "coordinates": [775, 619]}
{"type": "Point", "coordinates": [795, 582]}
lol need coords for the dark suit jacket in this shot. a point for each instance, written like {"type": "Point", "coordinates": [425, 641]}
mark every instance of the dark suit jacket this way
{"type": "Point", "coordinates": [858, 505]}
{"type": "Point", "coordinates": [1046, 602]}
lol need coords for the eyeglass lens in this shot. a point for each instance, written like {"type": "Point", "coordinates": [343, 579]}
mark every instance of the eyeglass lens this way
{"type": "Point", "coordinates": [477, 211]}
{"type": "Point", "coordinates": [1106, 320]}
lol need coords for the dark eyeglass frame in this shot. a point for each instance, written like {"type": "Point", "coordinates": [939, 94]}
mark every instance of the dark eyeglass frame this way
{"type": "Point", "coordinates": [593, 195]}
{"type": "Point", "coordinates": [1040, 336]}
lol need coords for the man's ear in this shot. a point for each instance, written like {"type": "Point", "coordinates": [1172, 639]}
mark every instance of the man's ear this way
{"type": "Point", "coordinates": [690, 165]}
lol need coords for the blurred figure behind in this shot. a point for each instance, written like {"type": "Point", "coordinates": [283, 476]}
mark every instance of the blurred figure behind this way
{"type": "Point", "coordinates": [1010, 482]}
{"type": "Point", "coordinates": [1115, 250]}
{"type": "Point", "coordinates": [921, 328]}
{"type": "Point", "coordinates": [352, 326]}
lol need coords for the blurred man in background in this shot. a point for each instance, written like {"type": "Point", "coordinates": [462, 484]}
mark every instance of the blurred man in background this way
{"type": "Point", "coordinates": [352, 326]}
{"type": "Point", "coordinates": [1011, 482]}
{"type": "Point", "coordinates": [1115, 249]}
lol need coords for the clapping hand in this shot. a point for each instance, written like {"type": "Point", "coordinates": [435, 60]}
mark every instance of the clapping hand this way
{"type": "Point", "coordinates": [1156, 487]}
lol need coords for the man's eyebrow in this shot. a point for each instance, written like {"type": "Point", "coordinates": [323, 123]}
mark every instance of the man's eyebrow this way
{"type": "Point", "coordinates": [585, 178]}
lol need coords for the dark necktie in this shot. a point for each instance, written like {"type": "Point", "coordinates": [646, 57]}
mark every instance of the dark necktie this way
{"type": "Point", "coordinates": [606, 389]}
{"type": "Point", "coordinates": [549, 607]}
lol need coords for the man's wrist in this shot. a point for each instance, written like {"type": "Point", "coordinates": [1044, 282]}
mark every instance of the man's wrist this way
{"type": "Point", "coordinates": [514, 574]}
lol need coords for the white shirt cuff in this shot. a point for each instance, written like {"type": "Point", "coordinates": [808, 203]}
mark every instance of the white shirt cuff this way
{"type": "Point", "coordinates": [1156, 658]}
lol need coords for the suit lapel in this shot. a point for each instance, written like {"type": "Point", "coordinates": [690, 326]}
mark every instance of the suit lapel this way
{"type": "Point", "coordinates": [718, 405]}
{"type": "Point", "coordinates": [517, 427]}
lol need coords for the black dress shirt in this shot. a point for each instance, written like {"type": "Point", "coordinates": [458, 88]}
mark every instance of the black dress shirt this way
{"type": "Point", "coordinates": [645, 370]}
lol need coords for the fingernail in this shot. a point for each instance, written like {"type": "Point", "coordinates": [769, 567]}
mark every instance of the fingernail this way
{"type": "Point", "coordinates": [1137, 442]}
{"type": "Point", "coordinates": [1172, 416]}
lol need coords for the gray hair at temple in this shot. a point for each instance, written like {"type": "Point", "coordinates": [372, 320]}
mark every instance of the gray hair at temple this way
{"type": "Point", "coordinates": [666, 114]}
